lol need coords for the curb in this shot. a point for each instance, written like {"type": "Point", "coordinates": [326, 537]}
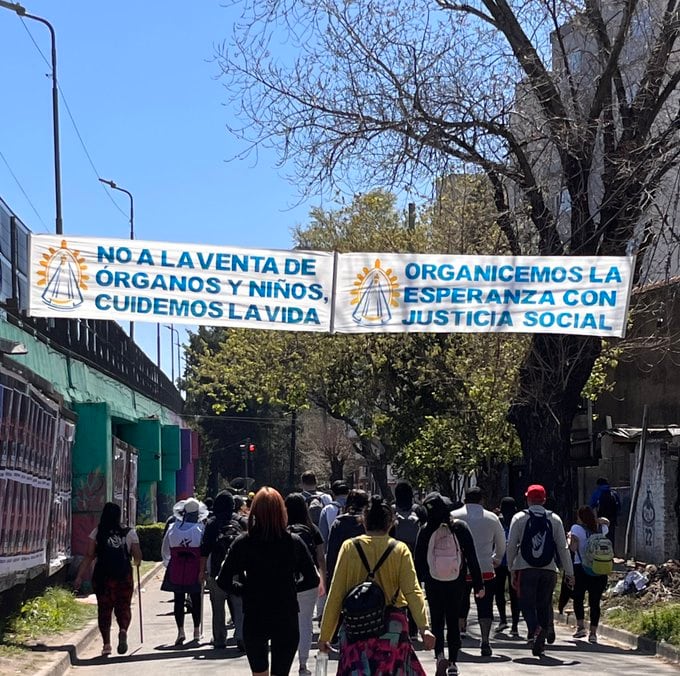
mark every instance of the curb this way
{"type": "Point", "coordinates": [79, 640]}
{"type": "Point", "coordinates": [659, 648]}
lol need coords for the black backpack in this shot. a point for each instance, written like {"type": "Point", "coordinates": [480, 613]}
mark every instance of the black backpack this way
{"type": "Point", "coordinates": [314, 506]}
{"type": "Point", "coordinates": [113, 558]}
{"type": "Point", "coordinates": [225, 537]}
{"type": "Point", "coordinates": [538, 543]}
{"type": "Point", "coordinates": [307, 537]}
{"type": "Point", "coordinates": [363, 608]}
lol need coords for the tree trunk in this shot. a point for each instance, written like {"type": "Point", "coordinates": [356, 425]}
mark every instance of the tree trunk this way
{"type": "Point", "coordinates": [337, 469]}
{"type": "Point", "coordinates": [551, 380]}
{"type": "Point", "coordinates": [379, 472]}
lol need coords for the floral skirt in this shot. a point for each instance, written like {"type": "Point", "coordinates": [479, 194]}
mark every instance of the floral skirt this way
{"type": "Point", "coordinates": [390, 654]}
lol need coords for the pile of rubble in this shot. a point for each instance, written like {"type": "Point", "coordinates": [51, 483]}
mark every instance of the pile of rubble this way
{"type": "Point", "coordinates": [648, 583]}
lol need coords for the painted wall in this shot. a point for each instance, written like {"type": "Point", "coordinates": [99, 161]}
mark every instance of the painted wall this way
{"type": "Point", "coordinates": [79, 383]}
{"type": "Point", "coordinates": [656, 524]}
{"type": "Point", "coordinates": [102, 404]}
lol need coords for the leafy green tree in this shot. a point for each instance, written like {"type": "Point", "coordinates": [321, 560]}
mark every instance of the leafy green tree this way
{"type": "Point", "coordinates": [569, 109]}
{"type": "Point", "coordinates": [392, 391]}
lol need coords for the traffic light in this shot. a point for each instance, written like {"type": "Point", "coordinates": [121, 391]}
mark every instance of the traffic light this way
{"type": "Point", "coordinates": [251, 448]}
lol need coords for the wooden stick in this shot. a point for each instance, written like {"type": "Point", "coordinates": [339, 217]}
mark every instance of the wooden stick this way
{"type": "Point", "coordinates": [139, 593]}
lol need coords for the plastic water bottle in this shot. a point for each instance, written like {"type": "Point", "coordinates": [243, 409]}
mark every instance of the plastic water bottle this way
{"type": "Point", "coordinates": [321, 664]}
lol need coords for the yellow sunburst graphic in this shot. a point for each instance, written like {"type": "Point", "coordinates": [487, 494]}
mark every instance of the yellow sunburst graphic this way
{"type": "Point", "coordinates": [62, 273]}
{"type": "Point", "coordinates": [375, 293]}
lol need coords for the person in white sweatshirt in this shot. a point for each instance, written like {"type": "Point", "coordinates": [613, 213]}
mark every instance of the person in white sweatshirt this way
{"type": "Point", "coordinates": [535, 539]}
{"type": "Point", "coordinates": [489, 537]}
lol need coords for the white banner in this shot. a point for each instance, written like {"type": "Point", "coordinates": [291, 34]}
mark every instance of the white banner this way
{"type": "Point", "coordinates": [395, 293]}
{"type": "Point", "coordinates": [135, 280]}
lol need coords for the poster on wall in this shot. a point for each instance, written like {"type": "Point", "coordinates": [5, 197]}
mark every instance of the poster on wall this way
{"type": "Point", "coordinates": [35, 478]}
{"type": "Point", "coordinates": [94, 278]}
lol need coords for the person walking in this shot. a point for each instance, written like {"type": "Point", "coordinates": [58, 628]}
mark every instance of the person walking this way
{"type": "Point", "coordinates": [607, 504]}
{"type": "Point", "coordinates": [300, 524]}
{"type": "Point", "coordinates": [111, 546]}
{"type": "Point", "coordinates": [445, 579]}
{"type": "Point", "coordinates": [347, 525]}
{"type": "Point", "coordinates": [585, 581]}
{"type": "Point", "coordinates": [508, 508]}
{"type": "Point", "coordinates": [220, 532]}
{"type": "Point", "coordinates": [275, 565]}
{"type": "Point", "coordinates": [536, 537]}
{"type": "Point", "coordinates": [489, 537]}
{"type": "Point", "coordinates": [329, 513]}
{"type": "Point", "coordinates": [181, 551]}
{"type": "Point", "coordinates": [316, 500]}
{"type": "Point", "coordinates": [409, 517]}
{"type": "Point", "coordinates": [391, 652]}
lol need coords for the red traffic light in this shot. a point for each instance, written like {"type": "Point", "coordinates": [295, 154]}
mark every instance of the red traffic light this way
{"type": "Point", "coordinates": [251, 448]}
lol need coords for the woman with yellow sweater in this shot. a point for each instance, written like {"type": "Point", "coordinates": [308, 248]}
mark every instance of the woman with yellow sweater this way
{"type": "Point", "coordinates": [392, 652]}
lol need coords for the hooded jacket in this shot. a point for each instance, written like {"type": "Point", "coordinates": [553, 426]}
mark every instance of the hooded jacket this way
{"type": "Point", "coordinates": [438, 508]}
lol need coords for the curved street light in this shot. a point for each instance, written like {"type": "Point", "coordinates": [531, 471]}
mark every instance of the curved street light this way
{"type": "Point", "coordinates": [21, 11]}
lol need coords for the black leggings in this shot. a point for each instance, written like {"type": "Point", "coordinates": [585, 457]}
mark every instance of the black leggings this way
{"type": "Point", "coordinates": [595, 586]}
{"type": "Point", "coordinates": [284, 635]}
{"type": "Point", "coordinates": [484, 605]}
{"type": "Point", "coordinates": [195, 608]}
{"type": "Point", "coordinates": [444, 600]}
{"type": "Point", "coordinates": [500, 584]}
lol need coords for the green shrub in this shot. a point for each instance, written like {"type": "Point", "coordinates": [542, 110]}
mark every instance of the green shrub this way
{"type": "Point", "coordinates": [150, 540]}
{"type": "Point", "coordinates": [662, 623]}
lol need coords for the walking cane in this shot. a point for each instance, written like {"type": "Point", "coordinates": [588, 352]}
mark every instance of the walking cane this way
{"type": "Point", "coordinates": [202, 595]}
{"type": "Point", "coordinates": [139, 593]}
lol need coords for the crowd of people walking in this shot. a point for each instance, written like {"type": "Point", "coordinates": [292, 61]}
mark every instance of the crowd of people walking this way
{"type": "Point", "coordinates": [381, 578]}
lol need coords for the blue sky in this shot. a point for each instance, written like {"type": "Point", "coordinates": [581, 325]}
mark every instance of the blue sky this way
{"type": "Point", "coordinates": [140, 83]}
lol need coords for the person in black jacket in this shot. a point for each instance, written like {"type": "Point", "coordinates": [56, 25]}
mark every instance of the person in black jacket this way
{"type": "Point", "coordinates": [347, 525]}
{"type": "Point", "coordinates": [221, 530]}
{"type": "Point", "coordinates": [276, 564]}
{"type": "Point", "coordinates": [444, 598]}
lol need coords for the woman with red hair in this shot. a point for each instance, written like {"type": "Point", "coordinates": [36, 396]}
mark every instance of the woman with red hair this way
{"type": "Point", "coordinates": [274, 564]}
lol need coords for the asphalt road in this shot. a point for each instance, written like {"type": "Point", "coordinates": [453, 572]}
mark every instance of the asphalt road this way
{"type": "Point", "coordinates": [158, 655]}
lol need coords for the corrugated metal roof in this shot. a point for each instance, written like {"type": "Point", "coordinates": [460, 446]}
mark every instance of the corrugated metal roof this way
{"type": "Point", "coordinates": [634, 433]}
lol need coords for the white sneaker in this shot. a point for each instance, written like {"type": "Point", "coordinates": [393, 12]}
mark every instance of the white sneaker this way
{"type": "Point", "coordinates": [580, 633]}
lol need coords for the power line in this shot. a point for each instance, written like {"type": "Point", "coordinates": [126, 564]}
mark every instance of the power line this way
{"type": "Point", "coordinates": [73, 122]}
{"type": "Point", "coordinates": [25, 194]}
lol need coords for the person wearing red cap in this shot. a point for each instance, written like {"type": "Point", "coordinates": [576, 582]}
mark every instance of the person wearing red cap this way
{"type": "Point", "coordinates": [535, 537]}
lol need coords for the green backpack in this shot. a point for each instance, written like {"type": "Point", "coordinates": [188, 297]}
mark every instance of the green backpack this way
{"type": "Point", "coordinates": [598, 558]}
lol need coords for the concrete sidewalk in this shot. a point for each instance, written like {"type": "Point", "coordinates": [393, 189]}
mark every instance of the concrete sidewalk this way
{"type": "Point", "coordinates": [159, 656]}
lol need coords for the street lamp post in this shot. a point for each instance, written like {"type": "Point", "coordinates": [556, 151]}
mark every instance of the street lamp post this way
{"type": "Point", "coordinates": [173, 330]}
{"type": "Point", "coordinates": [21, 11]}
{"type": "Point", "coordinates": [115, 186]}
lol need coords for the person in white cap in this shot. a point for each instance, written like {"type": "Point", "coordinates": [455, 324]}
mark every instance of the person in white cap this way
{"type": "Point", "coordinates": [181, 552]}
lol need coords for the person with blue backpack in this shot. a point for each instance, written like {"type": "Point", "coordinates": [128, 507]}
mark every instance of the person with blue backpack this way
{"type": "Point", "coordinates": [593, 561]}
{"type": "Point", "coordinates": [536, 537]}
{"type": "Point", "coordinates": [444, 556]}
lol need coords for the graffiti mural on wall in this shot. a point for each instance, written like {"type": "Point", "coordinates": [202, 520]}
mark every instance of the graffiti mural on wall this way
{"type": "Point", "coordinates": [649, 518]}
